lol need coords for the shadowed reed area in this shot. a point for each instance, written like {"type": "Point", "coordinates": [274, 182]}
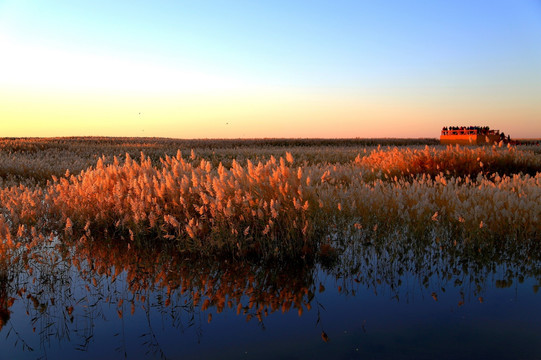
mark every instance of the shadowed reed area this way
{"type": "Point", "coordinates": [280, 208]}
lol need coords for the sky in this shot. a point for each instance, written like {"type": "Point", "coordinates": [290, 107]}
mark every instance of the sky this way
{"type": "Point", "coordinates": [267, 69]}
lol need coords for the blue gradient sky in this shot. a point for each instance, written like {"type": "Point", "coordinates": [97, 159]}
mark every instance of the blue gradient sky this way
{"type": "Point", "coordinates": [269, 69]}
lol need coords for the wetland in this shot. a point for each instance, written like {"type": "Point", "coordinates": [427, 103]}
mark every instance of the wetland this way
{"type": "Point", "coordinates": [361, 248]}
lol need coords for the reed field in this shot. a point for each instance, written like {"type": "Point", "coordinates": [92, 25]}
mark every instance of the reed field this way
{"type": "Point", "coordinates": [265, 199]}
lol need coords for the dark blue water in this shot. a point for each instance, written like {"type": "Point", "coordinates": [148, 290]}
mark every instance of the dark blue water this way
{"type": "Point", "coordinates": [375, 301]}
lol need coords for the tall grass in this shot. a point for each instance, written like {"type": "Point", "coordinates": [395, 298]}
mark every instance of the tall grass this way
{"type": "Point", "coordinates": [283, 207]}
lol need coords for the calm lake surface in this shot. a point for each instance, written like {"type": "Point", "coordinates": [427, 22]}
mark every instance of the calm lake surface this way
{"type": "Point", "coordinates": [378, 299]}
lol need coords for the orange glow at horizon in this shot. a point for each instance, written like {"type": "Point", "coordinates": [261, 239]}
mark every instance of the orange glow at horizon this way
{"type": "Point", "coordinates": [263, 114]}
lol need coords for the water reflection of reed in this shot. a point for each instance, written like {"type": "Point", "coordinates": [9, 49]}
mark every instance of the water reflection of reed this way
{"type": "Point", "coordinates": [207, 283]}
{"type": "Point", "coordinates": [67, 287]}
{"type": "Point", "coordinates": [433, 262]}
{"type": "Point", "coordinates": [4, 299]}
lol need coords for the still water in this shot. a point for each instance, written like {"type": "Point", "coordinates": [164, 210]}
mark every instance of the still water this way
{"type": "Point", "coordinates": [375, 299]}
